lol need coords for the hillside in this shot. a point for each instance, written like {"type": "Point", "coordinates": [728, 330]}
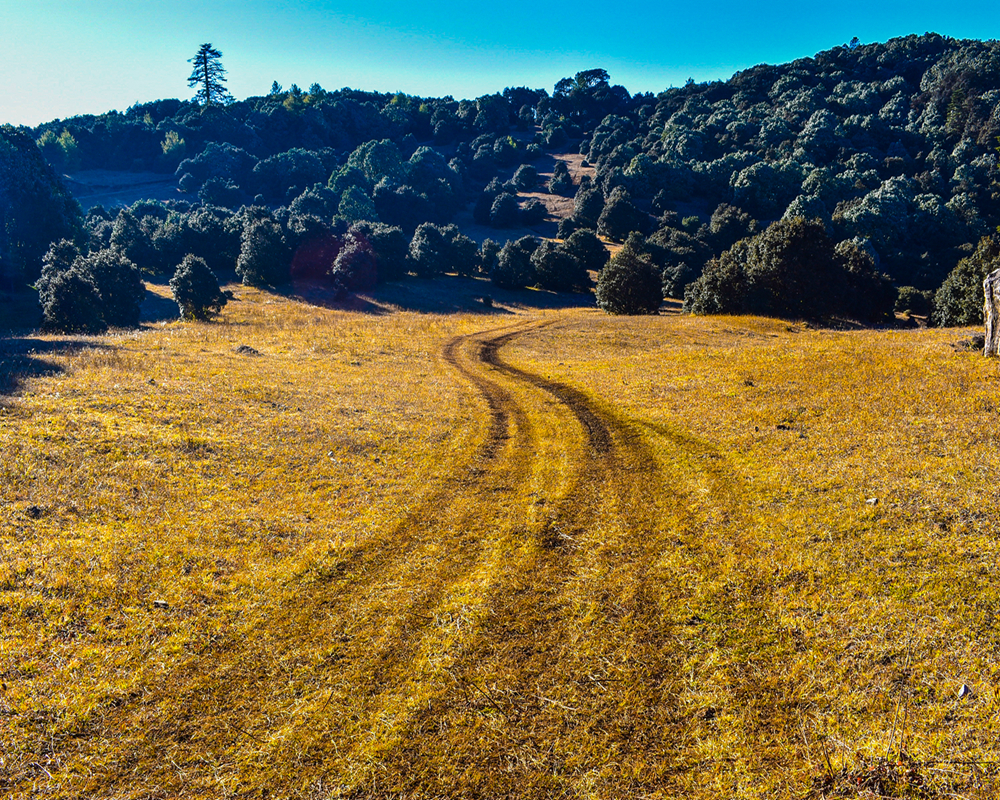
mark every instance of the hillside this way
{"type": "Point", "coordinates": [523, 552]}
{"type": "Point", "coordinates": [891, 143]}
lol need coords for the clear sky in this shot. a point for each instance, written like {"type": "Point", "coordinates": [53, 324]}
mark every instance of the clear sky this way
{"type": "Point", "coordinates": [67, 57]}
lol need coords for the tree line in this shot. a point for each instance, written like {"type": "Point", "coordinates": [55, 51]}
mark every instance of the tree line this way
{"type": "Point", "coordinates": [889, 148]}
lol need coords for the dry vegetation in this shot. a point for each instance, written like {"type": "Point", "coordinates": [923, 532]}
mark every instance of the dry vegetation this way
{"type": "Point", "coordinates": [532, 554]}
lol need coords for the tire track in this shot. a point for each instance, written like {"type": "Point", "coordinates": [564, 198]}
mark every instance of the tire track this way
{"type": "Point", "coordinates": [550, 622]}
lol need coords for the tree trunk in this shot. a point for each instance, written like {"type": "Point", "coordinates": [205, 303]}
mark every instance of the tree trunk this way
{"type": "Point", "coordinates": [991, 313]}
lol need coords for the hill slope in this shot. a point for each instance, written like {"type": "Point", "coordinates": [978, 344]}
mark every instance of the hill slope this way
{"type": "Point", "coordinates": [528, 553]}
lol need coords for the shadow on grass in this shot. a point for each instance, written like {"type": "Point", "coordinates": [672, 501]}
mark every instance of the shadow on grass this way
{"type": "Point", "coordinates": [24, 357]}
{"type": "Point", "coordinates": [447, 294]}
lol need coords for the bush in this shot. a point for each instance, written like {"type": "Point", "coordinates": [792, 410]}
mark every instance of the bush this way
{"type": "Point", "coordinates": [514, 269]}
{"type": "Point", "coordinates": [526, 178]}
{"type": "Point", "coordinates": [792, 270]}
{"type": "Point", "coordinates": [390, 246]}
{"type": "Point", "coordinates": [356, 267]}
{"type": "Point", "coordinates": [504, 212]}
{"type": "Point", "coordinates": [70, 303]}
{"type": "Point", "coordinates": [119, 286]}
{"type": "Point", "coordinates": [533, 212]}
{"type": "Point", "coordinates": [196, 289]}
{"type": "Point", "coordinates": [960, 299]}
{"type": "Point", "coordinates": [489, 252]}
{"type": "Point", "coordinates": [910, 300]}
{"type": "Point", "coordinates": [264, 259]}
{"type": "Point", "coordinates": [560, 182]}
{"type": "Point", "coordinates": [620, 217]}
{"type": "Point", "coordinates": [590, 251]}
{"type": "Point", "coordinates": [629, 284]}
{"type": "Point", "coordinates": [558, 269]}
{"type": "Point", "coordinates": [588, 205]}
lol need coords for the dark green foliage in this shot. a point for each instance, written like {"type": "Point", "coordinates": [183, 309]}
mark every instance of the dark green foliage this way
{"type": "Point", "coordinates": [504, 212]}
{"type": "Point", "coordinates": [214, 234]}
{"type": "Point", "coordinates": [792, 270]}
{"type": "Point", "coordinates": [429, 251]}
{"type": "Point", "coordinates": [865, 293]}
{"type": "Point", "coordinates": [567, 225]}
{"type": "Point", "coordinates": [728, 225]}
{"type": "Point", "coordinates": [356, 267]}
{"type": "Point", "coordinates": [314, 247]}
{"type": "Point", "coordinates": [264, 258]}
{"type": "Point", "coordinates": [209, 76]}
{"type": "Point", "coordinates": [514, 269]}
{"type": "Point", "coordinates": [629, 284]}
{"type": "Point", "coordinates": [560, 182]}
{"type": "Point", "coordinates": [284, 176]}
{"type": "Point", "coordinates": [588, 204]}
{"type": "Point", "coordinates": [533, 212]}
{"type": "Point", "coordinates": [35, 207]}
{"type": "Point", "coordinates": [620, 217]}
{"type": "Point", "coordinates": [118, 283]}
{"type": "Point", "coordinates": [221, 192]}
{"type": "Point", "coordinates": [960, 299]}
{"type": "Point", "coordinates": [911, 300]}
{"type": "Point", "coordinates": [489, 252]}
{"type": "Point", "coordinates": [526, 178]}
{"type": "Point", "coordinates": [217, 160]}
{"type": "Point", "coordinates": [680, 257]}
{"type": "Point", "coordinates": [590, 251]}
{"type": "Point", "coordinates": [86, 294]}
{"type": "Point", "coordinates": [436, 249]}
{"type": "Point", "coordinates": [391, 248]}
{"type": "Point", "coordinates": [196, 289]}
{"type": "Point", "coordinates": [129, 238]}
{"type": "Point", "coordinates": [558, 269]}
{"type": "Point", "coordinates": [70, 303]}
{"type": "Point", "coordinates": [318, 201]}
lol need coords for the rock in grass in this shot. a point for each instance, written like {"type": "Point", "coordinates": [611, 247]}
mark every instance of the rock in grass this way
{"type": "Point", "coordinates": [246, 350]}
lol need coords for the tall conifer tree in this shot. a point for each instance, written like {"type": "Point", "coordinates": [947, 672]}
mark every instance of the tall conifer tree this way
{"type": "Point", "coordinates": [209, 76]}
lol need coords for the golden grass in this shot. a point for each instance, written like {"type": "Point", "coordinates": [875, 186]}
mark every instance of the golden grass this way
{"type": "Point", "coordinates": [536, 554]}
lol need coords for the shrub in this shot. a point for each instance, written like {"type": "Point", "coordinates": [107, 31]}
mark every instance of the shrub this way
{"type": "Point", "coordinates": [629, 284]}
{"type": "Point", "coordinates": [560, 182]}
{"type": "Point", "coordinates": [264, 259]}
{"type": "Point", "coordinates": [533, 212]}
{"type": "Point", "coordinates": [514, 269]}
{"type": "Point", "coordinates": [567, 226]}
{"type": "Point", "coordinates": [119, 286]}
{"type": "Point", "coordinates": [70, 303]}
{"type": "Point", "coordinates": [390, 246]}
{"type": "Point", "coordinates": [588, 205]}
{"type": "Point", "coordinates": [196, 289]}
{"type": "Point", "coordinates": [488, 254]}
{"type": "Point", "coordinates": [558, 269]}
{"type": "Point", "coordinates": [526, 178]}
{"type": "Point", "coordinates": [620, 217]}
{"type": "Point", "coordinates": [960, 299]}
{"type": "Point", "coordinates": [793, 270]}
{"type": "Point", "coordinates": [588, 249]}
{"type": "Point", "coordinates": [356, 266]}
{"type": "Point", "coordinates": [911, 300]}
{"type": "Point", "coordinates": [504, 211]}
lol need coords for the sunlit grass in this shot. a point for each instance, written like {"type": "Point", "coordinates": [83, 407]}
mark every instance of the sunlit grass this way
{"type": "Point", "coordinates": [351, 564]}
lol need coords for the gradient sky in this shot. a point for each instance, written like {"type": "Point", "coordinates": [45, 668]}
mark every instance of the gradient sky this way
{"type": "Point", "coordinates": [67, 57]}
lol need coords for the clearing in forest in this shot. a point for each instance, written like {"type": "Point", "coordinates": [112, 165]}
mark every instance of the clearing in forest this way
{"type": "Point", "coordinates": [308, 552]}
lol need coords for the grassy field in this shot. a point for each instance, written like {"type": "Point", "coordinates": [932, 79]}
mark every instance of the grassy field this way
{"type": "Point", "coordinates": [520, 552]}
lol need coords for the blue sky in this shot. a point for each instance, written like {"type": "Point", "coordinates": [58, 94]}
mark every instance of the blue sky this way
{"type": "Point", "coordinates": [66, 57]}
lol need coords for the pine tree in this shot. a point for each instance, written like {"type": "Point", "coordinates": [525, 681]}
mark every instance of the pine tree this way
{"type": "Point", "coordinates": [209, 76]}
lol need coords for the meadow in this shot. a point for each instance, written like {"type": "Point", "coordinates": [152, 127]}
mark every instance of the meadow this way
{"type": "Point", "coordinates": [527, 551]}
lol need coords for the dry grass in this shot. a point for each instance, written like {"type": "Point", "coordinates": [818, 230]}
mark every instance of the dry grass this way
{"type": "Point", "coordinates": [532, 554]}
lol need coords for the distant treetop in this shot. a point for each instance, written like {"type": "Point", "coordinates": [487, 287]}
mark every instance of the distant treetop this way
{"type": "Point", "coordinates": [209, 76]}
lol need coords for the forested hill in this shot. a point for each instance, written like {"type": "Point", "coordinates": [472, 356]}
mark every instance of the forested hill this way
{"type": "Point", "coordinates": [892, 146]}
